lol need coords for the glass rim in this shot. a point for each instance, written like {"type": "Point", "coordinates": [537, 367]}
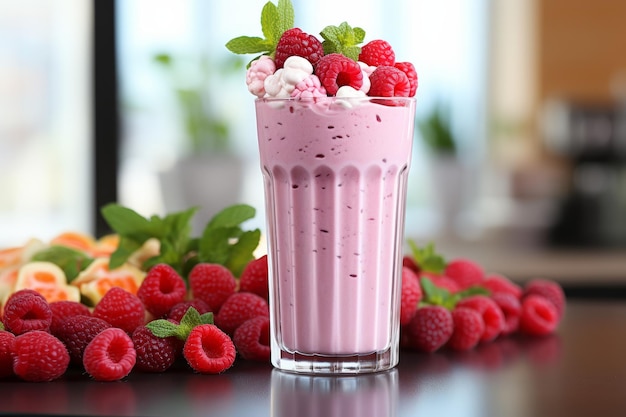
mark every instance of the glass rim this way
{"type": "Point", "coordinates": [334, 98]}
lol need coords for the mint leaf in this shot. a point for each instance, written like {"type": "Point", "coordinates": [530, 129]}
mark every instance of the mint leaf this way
{"type": "Point", "coordinates": [286, 16]}
{"type": "Point", "coordinates": [435, 295]}
{"type": "Point", "coordinates": [343, 39]}
{"type": "Point", "coordinates": [127, 222]}
{"type": "Point", "coordinates": [427, 258]}
{"type": "Point", "coordinates": [71, 261]}
{"type": "Point", "coordinates": [192, 318]}
{"type": "Point", "coordinates": [269, 22]}
{"type": "Point", "coordinates": [248, 45]}
{"type": "Point", "coordinates": [275, 20]}
{"type": "Point", "coordinates": [224, 242]}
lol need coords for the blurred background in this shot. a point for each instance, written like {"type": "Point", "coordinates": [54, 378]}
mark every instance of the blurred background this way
{"type": "Point", "coordinates": [520, 148]}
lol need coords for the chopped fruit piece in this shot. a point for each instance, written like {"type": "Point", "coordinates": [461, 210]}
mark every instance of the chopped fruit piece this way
{"type": "Point", "coordinates": [75, 240]}
{"type": "Point", "coordinates": [39, 357]}
{"type": "Point", "coordinates": [296, 42]}
{"type": "Point", "coordinates": [110, 356]}
{"type": "Point", "coordinates": [48, 280]}
{"type": "Point", "coordinates": [539, 315]}
{"type": "Point", "coordinates": [161, 290]}
{"type": "Point", "coordinates": [212, 283]}
{"type": "Point", "coordinates": [8, 278]}
{"type": "Point", "coordinates": [491, 314]}
{"type": "Point", "coordinates": [411, 294]}
{"type": "Point", "coordinates": [18, 255]}
{"type": "Point", "coordinates": [208, 350]}
{"type": "Point", "coordinates": [254, 278]}
{"type": "Point", "coordinates": [120, 308]}
{"type": "Point", "coordinates": [468, 329]}
{"type": "Point", "coordinates": [26, 310]}
{"type": "Point", "coordinates": [97, 279]}
{"type": "Point", "coordinates": [238, 308]}
{"type": "Point", "coordinates": [252, 339]}
{"type": "Point", "coordinates": [430, 329]}
{"type": "Point", "coordinates": [105, 246]}
{"type": "Point", "coordinates": [377, 52]}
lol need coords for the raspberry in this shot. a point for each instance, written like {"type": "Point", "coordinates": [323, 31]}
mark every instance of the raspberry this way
{"type": "Point", "coordinates": [296, 42]}
{"type": "Point", "coordinates": [410, 263]}
{"type": "Point", "coordinates": [539, 316]}
{"type": "Point", "coordinates": [208, 350]}
{"type": "Point", "coordinates": [161, 289]}
{"type": "Point", "coordinates": [468, 328]}
{"type": "Point", "coordinates": [408, 69]}
{"type": "Point", "coordinates": [512, 310]}
{"type": "Point", "coordinates": [121, 309]}
{"type": "Point", "coordinates": [430, 329]}
{"type": "Point", "coordinates": [240, 307]}
{"type": "Point", "coordinates": [336, 70]}
{"type": "Point", "coordinates": [110, 356]}
{"type": "Point", "coordinates": [252, 339]}
{"type": "Point", "coordinates": [77, 332]}
{"type": "Point", "coordinates": [39, 356]}
{"type": "Point", "coordinates": [492, 316]}
{"type": "Point", "coordinates": [27, 310]}
{"type": "Point", "coordinates": [549, 289]}
{"type": "Point", "coordinates": [442, 281]}
{"type": "Point", "coordinates": [465, 273]}
{"type": "Point", "coordinates": [154, 354]}
{"type": "Point", "coordinates": [178, 311]}
{"type": "Point", "coordinates": [410, 296]}
{"type": "Point", "coordinates": [377, 52]}
{"type": "Point", "coordinates": [6, 353]}
{"type": "Point", "coordinates": [498, 283]}
{"type": "Point", "coordinates": [212, 283]}
{"type": "Point", "coordinates": [62, 310]}
{"type": "Point", "coordinates": [389, 82]}
{"type": "Point", "coordinates": [254, 278]}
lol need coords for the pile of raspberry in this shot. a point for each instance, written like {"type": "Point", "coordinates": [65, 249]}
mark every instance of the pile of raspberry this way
{"type": "Point", "coordinates": [40, 341]}
{"type": "Point", "coordinates": [462, 307]}
{"type": "Point", "coordinates": [300, 69]}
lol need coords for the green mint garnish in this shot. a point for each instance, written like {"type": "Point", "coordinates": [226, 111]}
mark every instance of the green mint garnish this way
{"type": "Point", "coordinates": [343, 39]}
{"type": "Point", "coordinates": [434, 295]}
{"type": "Point", "coordinates": [192, 318]}
{"type": "Point", "coordinates": [275, 20]}
{"type": "Point", "coordinates": [223, 240]}
{"type": "Point", "coordinates": [427, 258]}
{"type": "Point", "coordinates": [71, 261]}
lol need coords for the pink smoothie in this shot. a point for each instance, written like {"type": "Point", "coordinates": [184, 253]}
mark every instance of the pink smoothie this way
{"type": "Point", "coordinates": [335, 183]}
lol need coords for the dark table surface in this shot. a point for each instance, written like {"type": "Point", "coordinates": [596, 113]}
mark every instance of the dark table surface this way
{"type": "Point", "coordinates": [579, 371]}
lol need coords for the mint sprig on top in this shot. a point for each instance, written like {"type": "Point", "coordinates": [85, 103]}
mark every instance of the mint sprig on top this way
{"type": "Point", "coordinates": [275, 20]}
{"type": "Point", "coordinates": [343, 39]}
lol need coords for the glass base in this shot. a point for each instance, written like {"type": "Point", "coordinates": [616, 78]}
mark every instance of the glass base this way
{"type": "Point", "coordinates": [335, 364]}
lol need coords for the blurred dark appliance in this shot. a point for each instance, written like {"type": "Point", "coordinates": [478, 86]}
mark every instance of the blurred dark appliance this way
{"type": "Point", "coordinates": [593, 139]}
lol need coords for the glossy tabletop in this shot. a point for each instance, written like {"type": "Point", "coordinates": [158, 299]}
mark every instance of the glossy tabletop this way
{"type": "Point", "coordinates": [580, 371]}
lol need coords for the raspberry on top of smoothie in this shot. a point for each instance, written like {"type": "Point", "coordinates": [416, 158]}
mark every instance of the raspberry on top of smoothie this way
{"type": "Point", "coordinates": [296, 64]}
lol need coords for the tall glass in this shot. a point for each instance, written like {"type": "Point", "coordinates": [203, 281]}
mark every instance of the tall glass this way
{"type": "Point", "coordinates": [335, 173]}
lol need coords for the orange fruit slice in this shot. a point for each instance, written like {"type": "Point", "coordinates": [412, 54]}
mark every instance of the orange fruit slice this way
{"type": "Point", "coordinates": [105, 246]}
{"type": "Point", "coordinates": [75, 240]}
{"type": "Point", "coordinates": [48, 280]}
{"type": "Point", "coordinates": [150, 248]}
{"type": "Point", "coordinates": [97, 279]}
{"type": "Point", "coordinates": [19, 254]}
{"type": "Point", "coordinates": [8, 277]}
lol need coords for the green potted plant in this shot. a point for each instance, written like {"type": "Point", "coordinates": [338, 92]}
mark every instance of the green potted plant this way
{"type": "Point", "coordinates": [209, 174]}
